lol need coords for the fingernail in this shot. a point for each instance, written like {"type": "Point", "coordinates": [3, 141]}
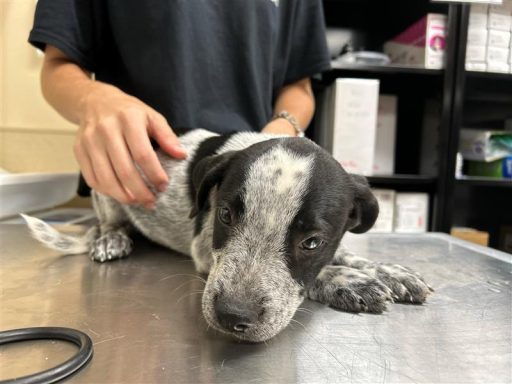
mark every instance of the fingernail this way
{"type": "Point", "coordinates": [162, 187]}
{"type": "Point", "coordinates": [150, 205]}
{"type": "Point", "coordinates": [181, 149]}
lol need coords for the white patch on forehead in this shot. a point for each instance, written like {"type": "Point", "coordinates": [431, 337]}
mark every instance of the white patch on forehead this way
{"type": "Point", "coordinates": [275, 187]}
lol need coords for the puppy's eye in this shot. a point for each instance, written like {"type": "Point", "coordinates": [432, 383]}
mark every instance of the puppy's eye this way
{"type": "Point", "coordinates": [224, 215]}
{"type": "Point", "coordinates": [311, 243]}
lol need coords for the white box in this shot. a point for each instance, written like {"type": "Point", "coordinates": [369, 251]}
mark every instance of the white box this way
{"type": "Point", "coordinates": [499, 21]}
{"type": "Point", "coordinates": [478, 16]}
{"type": "Point", "coordinates": [477, 36]}
{"type": "Point", "coordinates": [477, 144]}
{"type": "Point", "coordinates": [498, 39]}
{"type": "Point", "coordinates": [505, 8]}
{"type": "Point", "coordinates": [476, 53]}
{"type": "Point", "coordinates": [476, 66]}
{"type": "Point", "coordinates": [385, 220]}
{"type": "Point", "coordinates": [353, 123]}
{"type": "Point", "coordinates": [498, 67]}
{"type": "Point", "coordinates": [411, 212]}
{"type": "Point", "coordinates": [422, 44]}
{"type": "Point", "coordinates": [384, 163]}
{"type": "Point", "coordinates": [499, 55]}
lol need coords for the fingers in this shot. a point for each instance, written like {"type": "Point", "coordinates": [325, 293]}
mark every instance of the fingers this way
{"type": "Point", "coordinates": [98, 170]}
{"type": "Point", "coordinates": [125, 171]}
{"type": "Point", "coordinates": [142, 153]}
{"type": "Point", "coordinates": [160, 130]}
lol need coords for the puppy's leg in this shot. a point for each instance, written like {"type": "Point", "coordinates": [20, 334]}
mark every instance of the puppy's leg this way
{"type": "Point", "coordinates": [111, 240]}
{"type": "Point", "coordinates": [406, 285]}
{"type": "Point", "coordinates": [349, 289]}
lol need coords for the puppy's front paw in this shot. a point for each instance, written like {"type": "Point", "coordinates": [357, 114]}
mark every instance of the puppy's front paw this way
{"type": "Point", "coordinates": [110, 246]}
{"type": "Point", "coordinates": [407, 286]}
{"type": "Point", "coordinates": [350, 290]}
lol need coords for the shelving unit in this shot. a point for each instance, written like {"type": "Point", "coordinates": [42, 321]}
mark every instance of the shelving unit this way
{"type": "Point", "coordinates": [338, 67]}
{"type": "Point", "coordinates": [484, 100]}
{"type": "Point", "coordinates": [484, 182]}
{"type": "Point", "coordinates": [413, 86]}
{"type": "Point", "coordinates": [461, 96]}
{"type": "Point", "coordinates": [419, 183]}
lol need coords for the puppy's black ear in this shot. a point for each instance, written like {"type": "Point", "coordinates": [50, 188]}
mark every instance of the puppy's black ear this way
{"type": "Point", "coordinates": [206, 174]}
{"type": "Point", "coordinates": [365, 209]}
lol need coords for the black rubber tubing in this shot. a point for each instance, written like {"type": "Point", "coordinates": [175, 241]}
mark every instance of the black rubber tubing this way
{"type": "Point", "coordinates": [60, 371]}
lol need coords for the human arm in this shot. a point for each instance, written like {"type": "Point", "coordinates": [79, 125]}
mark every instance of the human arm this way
{"type": "Point", "coordinates": [114, 131]}
{"type": "Point", "coordinates": [298, 100]}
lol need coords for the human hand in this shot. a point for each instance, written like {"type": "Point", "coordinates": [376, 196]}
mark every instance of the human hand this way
{"type": "Point", "coordinates": [279, 126]}
{"type": "Point", "coordinates": [114, 138]}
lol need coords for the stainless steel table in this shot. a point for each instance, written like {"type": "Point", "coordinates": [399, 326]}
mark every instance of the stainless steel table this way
{"type": "Point", "coordinates": [143, 314]}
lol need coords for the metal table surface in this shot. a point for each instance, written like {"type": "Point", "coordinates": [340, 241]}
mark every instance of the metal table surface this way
{"type": "Point", "coordinates": [143, 315]}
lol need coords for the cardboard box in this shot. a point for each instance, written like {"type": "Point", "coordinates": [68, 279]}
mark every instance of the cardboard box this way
{"type": "Point", "coordinates": [411, 212]}
{"type": "Point", "coordinates": [476, 144]}
{"type": "Point", "coordinates": [500, 21]}
{"type": "Point", "coordinates": [498, 67]}
{"type": "Point", "coordinates": [422, 44]}
{"type": "Point", "coordinates": [349, 125]}
{"type": "Point", "coordinates": [505, 8]}
{"type": "Point", "coordinates": [498, 39]}
{"type": "Point", "coordinates": [478, 16]}
{"type": "Point", "coordinates": [501, 168]}
{"type": "Point", "coordinates": [471, 235]}
{"type": "Point", "coordinates": [384, 163]}
{"type": "Point", "coordinates": [476, 53]}
{"type": "Point", "coordinates": [478, 36]}
{"type": "Point", "coordinates": [476, 66]}
{"type": "Point", "coordinates": [386, 199]}
{"type": "Point", "coordinates": [497, 55]}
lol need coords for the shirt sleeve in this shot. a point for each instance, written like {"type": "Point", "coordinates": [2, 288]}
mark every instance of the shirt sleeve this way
{"type": "Point", "coordinates": [307, 45]}
{"type": "Point", "coordinates": [68, 26]}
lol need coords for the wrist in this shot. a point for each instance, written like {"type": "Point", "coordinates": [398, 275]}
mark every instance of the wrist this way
{"type": "Point", "coordinates": [279, 127]}
{"type": "Point", "coordinates": [94, 92]}
{"type": "Point", "coordinates": [292, 122]}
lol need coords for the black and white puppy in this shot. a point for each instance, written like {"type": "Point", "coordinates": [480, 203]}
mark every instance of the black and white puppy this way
{"type": "Point", "coordinates": [263, 216]}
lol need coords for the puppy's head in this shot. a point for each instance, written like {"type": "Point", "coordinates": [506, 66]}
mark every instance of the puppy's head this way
{"type": "Point", "coordinates": [280, 209]}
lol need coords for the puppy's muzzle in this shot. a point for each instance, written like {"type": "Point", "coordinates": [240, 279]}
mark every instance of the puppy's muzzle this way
{"type": "Point", "coordinates": [235, 316]}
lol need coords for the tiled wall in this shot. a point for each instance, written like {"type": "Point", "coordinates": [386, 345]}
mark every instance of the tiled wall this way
{"type": "Point", "coordinates": [33, 137]}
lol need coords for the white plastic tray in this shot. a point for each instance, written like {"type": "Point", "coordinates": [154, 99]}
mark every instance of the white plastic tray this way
{"type": "Point", "coordinates": [29, 192]}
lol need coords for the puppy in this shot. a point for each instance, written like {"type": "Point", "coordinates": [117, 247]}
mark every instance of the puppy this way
{"type": "Point", "coordinates": [263, 216]}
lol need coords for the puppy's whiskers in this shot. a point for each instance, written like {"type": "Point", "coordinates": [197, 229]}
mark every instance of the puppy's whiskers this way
{"type": "Point", "coordinates": [183, 274]}
{"type": "Point", "coordinates": [187, 295]}
{"type": "Point", "coordinates": [298, 322]}
{"type": "Point", "coordinates": [305, 310]}
{"type": "Point", "coordinates": [181, 286]}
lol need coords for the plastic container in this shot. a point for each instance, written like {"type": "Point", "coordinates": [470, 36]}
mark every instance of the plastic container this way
{"type": "Point", "coordinates": [29, 192]}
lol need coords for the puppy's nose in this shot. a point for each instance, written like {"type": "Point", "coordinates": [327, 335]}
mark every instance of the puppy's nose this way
{"type": "Point", "coordinates": [235, 317]}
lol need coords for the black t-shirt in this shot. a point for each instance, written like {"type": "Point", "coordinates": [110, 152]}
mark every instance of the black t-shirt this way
{"type": "Point", "coordinates": [215, 64]}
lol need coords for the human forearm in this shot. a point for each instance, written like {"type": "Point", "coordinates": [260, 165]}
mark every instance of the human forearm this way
{"type": "Point", "coordinates": [65, 85]}
{"type": "Point", "coordinates": [299, 101]}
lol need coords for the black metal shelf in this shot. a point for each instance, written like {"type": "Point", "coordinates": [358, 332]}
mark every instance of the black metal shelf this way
{"type": "Point", "coordinates": [489, 75]}
{"type": "Point", "coordinates": [418, 183]}
{"type": "Point", "coordinates": [385, 69]}
{"type": "Point", "coordinates": [484, 181]}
